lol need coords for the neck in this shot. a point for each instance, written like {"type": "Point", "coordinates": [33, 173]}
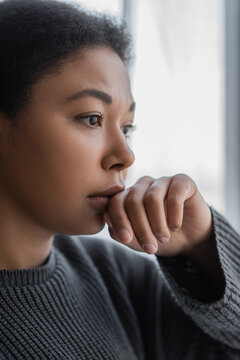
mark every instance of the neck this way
{"type": "Point", "coordinates": [23, 245]}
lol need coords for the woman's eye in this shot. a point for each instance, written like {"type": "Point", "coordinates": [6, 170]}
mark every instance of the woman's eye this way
{"type": "Point", "coordinates": [92, 120]}
{"type": "Point", "coordinates": [128, 129]}
{"type": "Point", "coordinates": [89, 120]}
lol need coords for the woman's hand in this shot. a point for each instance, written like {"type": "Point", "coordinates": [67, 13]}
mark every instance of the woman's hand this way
{"type": "Point", "coordinates": [165, 216]}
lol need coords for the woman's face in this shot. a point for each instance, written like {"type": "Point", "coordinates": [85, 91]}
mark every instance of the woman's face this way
{"type": "Point", "coordinates": [72, 144]}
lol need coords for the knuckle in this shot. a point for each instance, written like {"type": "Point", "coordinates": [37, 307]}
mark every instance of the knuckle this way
{"type": "Point", "coordinates": [145, 177]}
{"type": "Point", "coordinates": [179, 180]}
{"type": "Point", "coordinates": [174, 200]}
{"type": "Point", "coordinates": [151, 197]}
{"type": "Point", "coordinates": [165, 178]}
{"type": "Point", "coordinates": [182, 180]}
{"type": "Point", "coordinates": [182, 176]}
{"type": "Point", "coordinates": [132, 198]}
{"type": "Point", "coordinates": [175, 188]}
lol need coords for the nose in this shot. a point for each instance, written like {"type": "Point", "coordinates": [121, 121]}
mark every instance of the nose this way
{"type": "Point", "coordinates": [118, 154]}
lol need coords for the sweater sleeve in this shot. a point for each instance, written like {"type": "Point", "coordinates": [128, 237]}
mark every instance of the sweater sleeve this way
{"type": "Point", "coordinates": [218, 319]}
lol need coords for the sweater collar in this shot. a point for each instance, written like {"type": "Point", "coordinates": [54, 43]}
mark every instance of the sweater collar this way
{"type": "Point", "coordinates": [26, 277]}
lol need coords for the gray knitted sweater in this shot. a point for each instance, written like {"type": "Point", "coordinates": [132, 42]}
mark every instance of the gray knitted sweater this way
{"type": "Point", "coordinates": [97, 299]}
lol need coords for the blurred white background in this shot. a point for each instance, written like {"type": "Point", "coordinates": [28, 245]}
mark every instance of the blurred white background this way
{"type": "Point", "coordinates": [177, 84]}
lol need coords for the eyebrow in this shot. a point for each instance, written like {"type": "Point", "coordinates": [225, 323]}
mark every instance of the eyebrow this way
{"type": "Point", "coordinates": [104, 97]}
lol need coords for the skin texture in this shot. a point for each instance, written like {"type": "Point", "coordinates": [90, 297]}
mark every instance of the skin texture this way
{"type": "Point", "coordinates": [57, 158]}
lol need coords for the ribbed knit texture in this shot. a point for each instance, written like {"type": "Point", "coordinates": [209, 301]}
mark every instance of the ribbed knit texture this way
{"type": "Point", "coordinates": [97, 299]}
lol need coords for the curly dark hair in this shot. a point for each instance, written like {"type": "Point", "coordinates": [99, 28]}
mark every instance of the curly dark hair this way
{"type": "Point", "coordinates": [38, 36]}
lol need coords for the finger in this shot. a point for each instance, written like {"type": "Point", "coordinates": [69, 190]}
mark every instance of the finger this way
{"type": "Point", "coordinates": [154, 202]}
{"type": "Point", "coordinates": [181, 189]}
{"type": "Point", "coordinates": [133, 244]}
{"type": "Point", "coordinates": [119, 208]}
{"type": "Point", "coordinates": [135, 209]}
{"type": "Point", "coordinates": [116, 217]}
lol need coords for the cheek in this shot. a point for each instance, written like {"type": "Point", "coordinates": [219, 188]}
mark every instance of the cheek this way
{"type": "Point", "coordinates": [48, 178]}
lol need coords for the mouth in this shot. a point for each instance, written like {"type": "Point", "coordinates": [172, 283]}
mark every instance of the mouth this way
{"type": "Point", "coordinates": [109, 192]}
{"type": "Point", "coordinates": [100, 200]}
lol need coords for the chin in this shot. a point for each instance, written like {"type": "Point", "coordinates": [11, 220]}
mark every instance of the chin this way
{"type": "Point", "coordinates": [93, 226]}
{"type": "Point", "coordinates": [94, 229]}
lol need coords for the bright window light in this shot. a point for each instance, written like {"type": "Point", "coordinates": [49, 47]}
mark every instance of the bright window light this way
{"type": "Point", "coordinates": [177, 85]}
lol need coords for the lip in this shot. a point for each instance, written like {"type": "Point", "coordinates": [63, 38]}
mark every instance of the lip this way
{"type": "Point", "coordinates": [113, 190]}
{"type": "Point", "coordinates": [99, 202]}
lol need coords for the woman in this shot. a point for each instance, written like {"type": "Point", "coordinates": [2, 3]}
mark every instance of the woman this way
{"type": "Point", "coordinates": [66, 111]}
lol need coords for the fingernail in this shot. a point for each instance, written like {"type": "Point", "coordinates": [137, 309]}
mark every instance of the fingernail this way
{"type": "Point", "coordinates": [124, 235]}
{"type": "Point", "coordinates": [162, 238]}
{"type": "Point", "coordinates": [149, 248]}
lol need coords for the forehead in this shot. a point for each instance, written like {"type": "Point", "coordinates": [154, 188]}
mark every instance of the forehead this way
{"type": "Point", "coordinates": [99, 68]}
